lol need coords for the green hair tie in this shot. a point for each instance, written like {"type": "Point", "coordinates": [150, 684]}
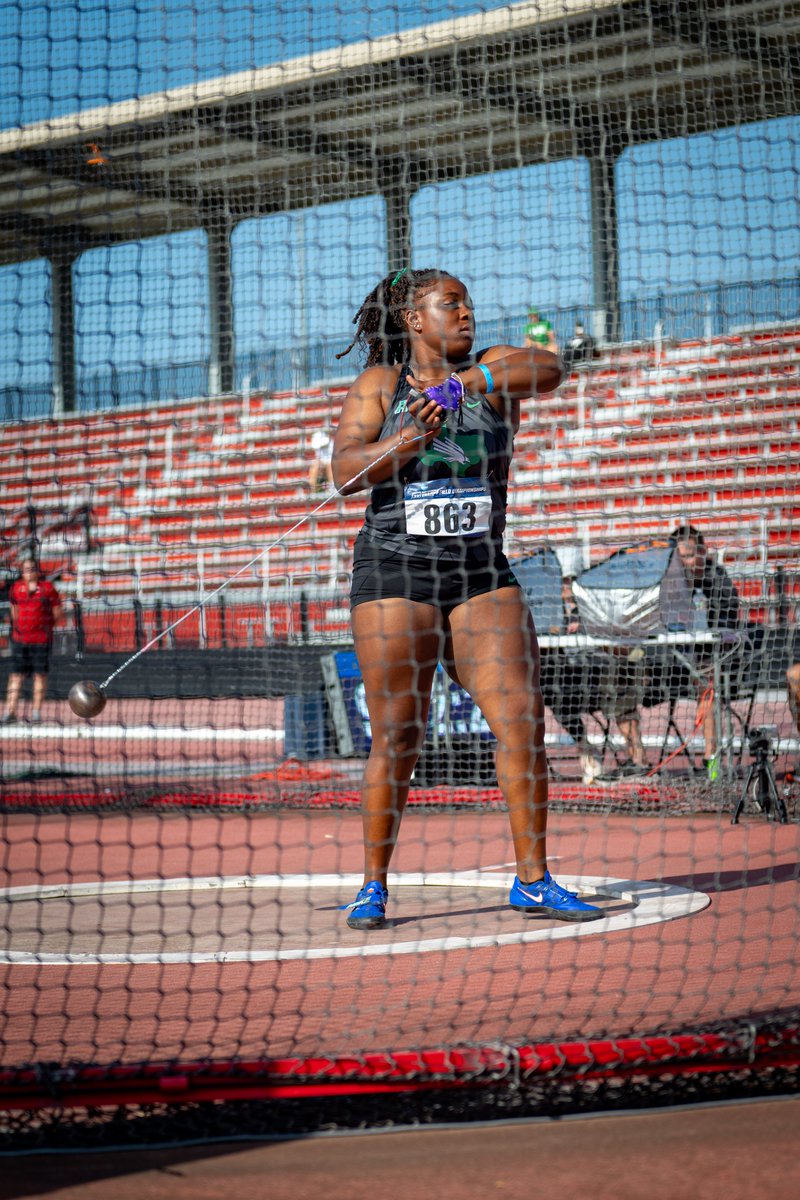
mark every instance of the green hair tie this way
{"type": "Point", "coordinates": [398, 276]}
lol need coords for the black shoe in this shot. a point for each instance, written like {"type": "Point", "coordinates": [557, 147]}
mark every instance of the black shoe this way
{"type": "Point", "coordinates": [632, 769]}
{"type": "Point", "coordinates": [8, 719]}
{"type": "Point", "coordinates": [628, 770]}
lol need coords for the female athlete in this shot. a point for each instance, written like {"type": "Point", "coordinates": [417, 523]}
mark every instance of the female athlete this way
{"type": "Point", "coordinates": [429, 427]}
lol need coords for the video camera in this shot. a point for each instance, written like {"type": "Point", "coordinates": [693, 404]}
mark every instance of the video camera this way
{"type": "Point", "coordinates": [759, 742]}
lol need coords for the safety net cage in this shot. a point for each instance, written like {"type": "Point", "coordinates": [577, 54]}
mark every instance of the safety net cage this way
{"type": "Point", "coordinates": [251, 615]}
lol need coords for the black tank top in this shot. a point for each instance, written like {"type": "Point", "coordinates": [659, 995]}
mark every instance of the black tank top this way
{"type": "Point", "coordinates": [455, 492]}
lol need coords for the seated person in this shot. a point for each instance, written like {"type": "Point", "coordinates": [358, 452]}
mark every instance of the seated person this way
{"type": "Point", "coordinates": [575, 682]}
{"type": "Point", "coordinates": [569, 687]}
{"type": "Point", "coordinates": [716, 597]}
{"type": "Point", "coordinates": [622, 686]}
{"type": "Point", "coordinates": [579, 349]}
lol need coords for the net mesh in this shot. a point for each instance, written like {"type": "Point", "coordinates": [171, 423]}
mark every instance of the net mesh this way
{"type": "Point", "coordinates": [181, 261]}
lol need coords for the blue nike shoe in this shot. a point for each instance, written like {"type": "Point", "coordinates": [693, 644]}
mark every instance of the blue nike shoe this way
{"type": "Point", "coordinates": [368, 910]}
{"type": "Point", "coordinates": [548, 899]}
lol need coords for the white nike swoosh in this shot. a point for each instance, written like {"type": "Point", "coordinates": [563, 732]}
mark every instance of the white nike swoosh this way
{"type": "Point", "coordinates": [533, 896]}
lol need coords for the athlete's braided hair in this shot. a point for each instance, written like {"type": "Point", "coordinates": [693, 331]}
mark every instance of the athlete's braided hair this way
{"type": "Point", "coordinates": [381, 332]}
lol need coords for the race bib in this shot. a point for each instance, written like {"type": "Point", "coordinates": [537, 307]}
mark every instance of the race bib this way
{"type": "Point", "coordinates": [442, 508]}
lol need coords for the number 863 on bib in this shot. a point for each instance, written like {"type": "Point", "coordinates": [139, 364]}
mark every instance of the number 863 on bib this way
{"type": "Point", "coordinates": [439, 508]}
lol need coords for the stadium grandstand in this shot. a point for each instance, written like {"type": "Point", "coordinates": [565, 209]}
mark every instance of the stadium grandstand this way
{"type": "Point", "coordinates": [174, 867]}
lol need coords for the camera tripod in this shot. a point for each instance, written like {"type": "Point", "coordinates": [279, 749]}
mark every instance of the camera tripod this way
{"type": "Point", "coordinates": [760, 780]}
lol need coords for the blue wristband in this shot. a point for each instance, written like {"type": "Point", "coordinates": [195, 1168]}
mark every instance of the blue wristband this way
{"type": "Point", "coordinates": [487, 375]}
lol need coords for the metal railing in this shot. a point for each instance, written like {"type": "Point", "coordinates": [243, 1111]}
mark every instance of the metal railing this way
{"type": "Point", "coordinates": [689, 315]}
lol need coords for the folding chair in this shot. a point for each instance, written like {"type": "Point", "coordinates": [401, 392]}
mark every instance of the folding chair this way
{"type": "Point", "coordinates": [570, 691]}
{"type": "Point", "coordinates": [668, 681]}
{"type": "Point", "coordinates": [739, 675]}
{"type": "Point", "coordinates": [604, 724]}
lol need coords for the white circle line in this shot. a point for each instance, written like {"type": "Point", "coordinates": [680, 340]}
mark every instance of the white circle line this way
{"type": "Point", "coordinates": [654, 903]}
{"type": "Point", "coordinates": [142, 733]}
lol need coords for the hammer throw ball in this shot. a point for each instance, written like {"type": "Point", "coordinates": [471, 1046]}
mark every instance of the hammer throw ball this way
{"type": "Point", "coordinates": [448, 394]}
{"type": "Point", "coordinates": [86, 699]}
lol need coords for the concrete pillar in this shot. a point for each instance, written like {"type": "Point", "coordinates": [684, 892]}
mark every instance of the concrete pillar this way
{"type": "Point", "coordinates": [221, 367]}
{"type": "Point", "coordinates": [397, 195]}
{"type": "Point", "coordinates": [63, 334]}
{"type": "Point", "coordinates": [605, 248]}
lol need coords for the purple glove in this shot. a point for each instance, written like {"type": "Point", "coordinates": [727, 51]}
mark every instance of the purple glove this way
{"type": "Point", "coordinates": [448, 394]}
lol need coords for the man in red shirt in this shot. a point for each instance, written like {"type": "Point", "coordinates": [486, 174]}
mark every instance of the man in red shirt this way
{"type": "Point", "coordinates": [35, 610]}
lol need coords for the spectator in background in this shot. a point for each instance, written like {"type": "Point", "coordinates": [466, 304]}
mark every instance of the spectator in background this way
{"type": "Point", "coordinates": [581, 681]}
{"type": "Point", "coordinates": [321, 471]}
{"type": "Point", "coordinates": [35, 611]}
{"type": "Point", "coordinates": [580, 348]}
{"type": "Point", "coordinates": [621, 687]}
{"type": "Point", "coordinates": [568, 686]}
{"type": "Point", "coordinates": [539, 333]}
{"type": "Point", "coordinates": [713, 589]}
{"type": "Point", "coordinates": [716, 605]}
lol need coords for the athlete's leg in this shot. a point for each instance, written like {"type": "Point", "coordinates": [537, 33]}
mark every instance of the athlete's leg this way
{"type": "Point", "coordinates": [397, 643]}
{"type": "Point", "coordinates": [495, 654]}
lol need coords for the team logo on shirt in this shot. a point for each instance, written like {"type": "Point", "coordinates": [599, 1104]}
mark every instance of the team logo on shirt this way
{"type": "Point", "coordinates": [461, 451]}
{"type": "Point", "coordinates": [448, 450]}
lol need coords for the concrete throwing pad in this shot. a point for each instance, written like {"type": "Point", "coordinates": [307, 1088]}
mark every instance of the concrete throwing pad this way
{"type": "Point", "coordinates": [263, 918]}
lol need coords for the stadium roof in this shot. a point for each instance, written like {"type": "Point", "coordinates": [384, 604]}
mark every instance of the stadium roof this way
{"type": "Point", "coordinates": [505, 88]}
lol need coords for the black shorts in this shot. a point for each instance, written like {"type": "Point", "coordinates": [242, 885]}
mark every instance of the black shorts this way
{"type": "Point", "coordinates": [454, 576]}
{"type": "Point", "coordinates": [29, 659]}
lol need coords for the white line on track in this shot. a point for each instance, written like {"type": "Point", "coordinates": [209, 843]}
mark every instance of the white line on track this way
{"type": "Point", "coordinates": [652, 903]}
{"type": "Point", "coordinates": [140, 733]}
